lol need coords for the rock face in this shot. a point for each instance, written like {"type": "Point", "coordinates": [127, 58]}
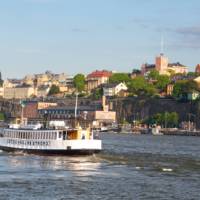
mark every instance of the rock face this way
{"type": "Point", "coordinates": [10, 108]}
{"type": "Point", "coordinates": [133, 108]}
{"type": "Point", "coordinates": [130, 108]}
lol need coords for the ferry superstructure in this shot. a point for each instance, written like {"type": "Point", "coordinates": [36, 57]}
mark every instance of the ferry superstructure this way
{"type": "Point", "coordinates": [74, 141]}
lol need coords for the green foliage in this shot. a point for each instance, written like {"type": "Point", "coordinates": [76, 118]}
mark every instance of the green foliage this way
{"type": "Point", "coordinates": [2, 116]}
{"type": "Point", "coordinates": [1, 81]}
{"type": "Point", "coordinates": [183, 87]}
{"type": "Point", "coordinates": [79, 82]}
{"type": "Point", "coordinates": [54, 90]}
{"type": "Point", "coordinates": [97, 94]}
{"type": "Point", "coordinates": [140, 86]}
{"type": "Point", "coordinates": [119, 77]}
{"type": "Point", "coordinates": [162, 81]}
{"type": "Point", "coordinates": [192, 74]}
{"type": "Point", "coordinates": [153, 74]}
{"type": "Point", "coordinates": [165, 119]}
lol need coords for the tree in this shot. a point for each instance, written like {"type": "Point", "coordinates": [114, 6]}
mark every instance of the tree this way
{"type": "Point", "coordinates": [165, 119]}
{"type": "Point", "coordinates": [140, 86]}
{"type": "Point", "coordinates": [2, 116]}
{"type": "Point", "coordinates": [119, 77]}
{"type": "Point", "coordinates": [1, 81]}
{"type": "Point", "coordinates": [183, 87]}
{"type": "Point", "coordinates": [79, 82]}
{"type": "Point", "coordinates": [162, 81]}
{"type": "Point", "coordinates": [173, 119]}
{"type": "Point", "coordinates": [97, 93]}
{"type": "Point", "coordinates": [153, 74]}
{"type": "Point", "coordinates": [54, 90]}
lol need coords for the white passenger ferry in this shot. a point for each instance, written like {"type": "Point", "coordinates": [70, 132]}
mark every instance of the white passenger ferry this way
{"type": "Point", "coordinates": [66, 141]}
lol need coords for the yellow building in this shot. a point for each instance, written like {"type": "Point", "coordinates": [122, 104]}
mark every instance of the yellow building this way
{"type": "Point", "coordinates": [163, 66]}
{"type": "Point", "coordinates": [21, 92]}
{"type": "Point", "coordinates": [1, 91]}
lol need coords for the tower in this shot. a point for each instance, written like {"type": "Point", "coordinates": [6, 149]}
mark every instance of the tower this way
{"type": "Point", "coordinates": [161, 63]}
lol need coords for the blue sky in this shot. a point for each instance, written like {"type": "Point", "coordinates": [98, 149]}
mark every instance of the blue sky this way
{"type": "Point", "coordinates": [74, 36]}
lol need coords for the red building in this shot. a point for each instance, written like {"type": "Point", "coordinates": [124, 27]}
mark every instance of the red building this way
{"type": "Point", "coordinates": [97, 78]}
{"type": "Point", "coordinates": [30, 111]}
{"type": "Point", "coordinates": [197, 69]}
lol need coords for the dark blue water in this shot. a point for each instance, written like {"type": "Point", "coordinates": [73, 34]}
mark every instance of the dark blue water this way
{"type": "Point", "coordinates": [130, 167]}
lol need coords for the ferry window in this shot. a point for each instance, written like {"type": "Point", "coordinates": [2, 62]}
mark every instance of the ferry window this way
{"type": "Point", "coordinates": [60, 134]}
{"type": "Point", "coordinates": [44, 135]}
{"type": "Point", "coordinates": [33, 135]}
{"type": "Point", "coordinates": [64, 135]}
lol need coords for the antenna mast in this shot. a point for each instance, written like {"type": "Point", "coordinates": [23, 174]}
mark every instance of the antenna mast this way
{"type": "Point", "coordinates": [162, 45]}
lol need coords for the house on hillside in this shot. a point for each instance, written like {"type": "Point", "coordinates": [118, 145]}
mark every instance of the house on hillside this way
{"type": "Point", "coordinates": [113, 89]}
{"type": "Point", "coordinates": [43, 90]}
{"type": "Point", "coordinates": [96, 79]}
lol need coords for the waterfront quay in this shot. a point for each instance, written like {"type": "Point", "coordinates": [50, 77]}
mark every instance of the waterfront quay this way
{"type": "Point", "coordinates": [181, 132]}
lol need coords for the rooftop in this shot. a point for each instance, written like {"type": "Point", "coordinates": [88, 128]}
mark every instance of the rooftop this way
{"type": "Point", "coordinates": [177, 64]}
{"type": "Point", "coordinates": [96, 74]}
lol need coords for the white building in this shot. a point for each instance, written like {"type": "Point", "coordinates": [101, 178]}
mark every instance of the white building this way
{"type": "Point", "coordinates": [113, 89]}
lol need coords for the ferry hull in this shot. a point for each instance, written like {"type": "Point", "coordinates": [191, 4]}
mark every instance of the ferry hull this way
{"type": "Point", "coordinates": [51, 151]}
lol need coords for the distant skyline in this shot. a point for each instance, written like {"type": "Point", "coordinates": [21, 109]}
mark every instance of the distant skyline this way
{"type": "Point", "coordinates": [75, 36]}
